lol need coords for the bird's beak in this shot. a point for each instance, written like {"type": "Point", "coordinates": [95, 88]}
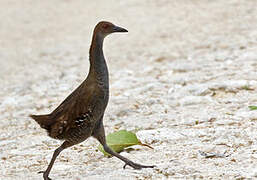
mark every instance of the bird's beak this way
{"type": "Point", "coordinates": [119, 29]}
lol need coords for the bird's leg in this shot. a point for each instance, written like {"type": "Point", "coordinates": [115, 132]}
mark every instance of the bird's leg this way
{"type": "Point", "coordinates": [127, 161]}
{"type": "Point", "coordinates": [99, 134]}
{"type": "Point", "coordinates": [56, 153]}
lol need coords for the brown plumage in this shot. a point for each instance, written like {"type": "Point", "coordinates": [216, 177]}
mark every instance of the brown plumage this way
{"type": "Point", "coordinates": [80, 115]}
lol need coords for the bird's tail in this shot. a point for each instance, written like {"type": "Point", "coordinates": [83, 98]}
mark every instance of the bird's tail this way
{"type": "Point", "coordinates": [43, 120]}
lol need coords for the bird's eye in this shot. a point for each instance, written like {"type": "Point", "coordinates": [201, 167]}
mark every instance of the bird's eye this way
{"type": "Point", "coordinates": [105, 26]}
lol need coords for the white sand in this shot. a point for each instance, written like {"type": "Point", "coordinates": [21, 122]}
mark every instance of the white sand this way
{"type": "Point", "coordinates": [179, 77]}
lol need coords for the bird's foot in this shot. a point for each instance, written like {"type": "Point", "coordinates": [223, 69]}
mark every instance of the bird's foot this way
{"type": "Point", "coordinates": [136, 166]}
{"type": "Point", "coordinates": [45, 175]}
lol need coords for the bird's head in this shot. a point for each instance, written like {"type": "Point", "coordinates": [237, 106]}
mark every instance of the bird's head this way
{"type": "Point", "coordinates": [105, 28]}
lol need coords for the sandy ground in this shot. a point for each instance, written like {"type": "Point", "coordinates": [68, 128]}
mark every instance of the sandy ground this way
{"type": "Point", "coordinates": [182, 78]}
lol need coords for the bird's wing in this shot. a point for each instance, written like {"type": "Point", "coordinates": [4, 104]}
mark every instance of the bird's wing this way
{"type": "Point", "coordinates": [68, 103]}
{"type": "Point", "coordinates": [74, 111]}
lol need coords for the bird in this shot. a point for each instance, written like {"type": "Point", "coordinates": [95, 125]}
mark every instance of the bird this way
{"type": "Point", "coordinates": [80, 115]}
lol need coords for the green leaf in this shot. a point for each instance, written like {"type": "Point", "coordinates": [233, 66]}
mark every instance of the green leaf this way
{"type": "Point", "coordinates": [253, 107]}
{"type": "Point", "coordinates": [119, 140]}
{"type": "Point", "coordinates": [246, 87]}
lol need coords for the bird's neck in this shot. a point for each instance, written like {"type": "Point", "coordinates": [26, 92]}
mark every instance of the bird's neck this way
{"type": "Point", "coordinates": [98, 67]}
